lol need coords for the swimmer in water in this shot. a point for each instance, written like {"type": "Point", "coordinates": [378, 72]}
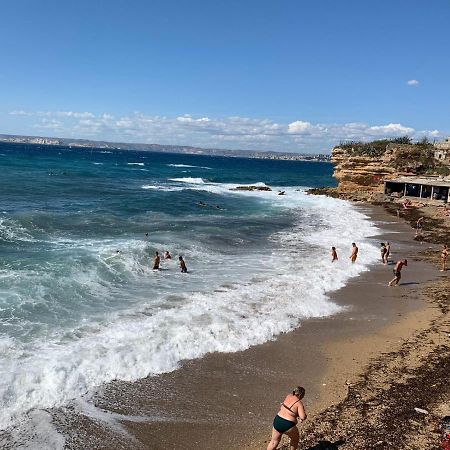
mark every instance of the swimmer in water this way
{"type": "Point", "coordinates": [182, 265]}
{"type": "Point", "coordinates": [156, 261]}
{"type": "Point", "coordinates": [200, 203]}
{"type": "Point", "coordinates": [334, 256]}
{"type": "Point", "coordinates": [167, 255]}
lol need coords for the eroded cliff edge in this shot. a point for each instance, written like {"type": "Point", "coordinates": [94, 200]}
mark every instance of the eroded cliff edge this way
{"type": "Point", "coordinates": [361, 168]}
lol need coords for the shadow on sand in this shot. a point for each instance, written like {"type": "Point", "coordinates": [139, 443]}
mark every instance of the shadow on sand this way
{"type": "Point", "coordinates": [327, 445]}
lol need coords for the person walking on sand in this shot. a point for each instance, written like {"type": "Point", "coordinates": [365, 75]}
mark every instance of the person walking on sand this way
{"type": "Point", "coordinates": [444, 256]}
{"type": "Point", "coordinates": [419, 226]}
{"type": "Point", "coordinates": [334, 256]}
{"type": "Point", "coordinates": [354, 254]}
{"type": "Point", "coordinates": [398, 272]}
{"type": "Point", "coordinates": [156, 261]}
{"type": "Point", "coordinates": [383, 250]}
{"type": "Point", "coordinates": [285, 422]}
{"type": "Point", "coordinates": [182, 265]}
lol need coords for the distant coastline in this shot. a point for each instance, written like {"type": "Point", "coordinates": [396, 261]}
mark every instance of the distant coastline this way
{"type": "Point", "coordinates": [183, 149]}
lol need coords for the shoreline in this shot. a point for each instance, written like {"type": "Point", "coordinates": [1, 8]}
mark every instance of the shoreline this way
{"type": "Point", "coordinates": [228, 400]}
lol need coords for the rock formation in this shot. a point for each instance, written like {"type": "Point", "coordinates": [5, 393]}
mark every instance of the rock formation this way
{"type": "Point", "coordinates": [360, 170]}
{"type": "Point", "coordinates": [251, 188]}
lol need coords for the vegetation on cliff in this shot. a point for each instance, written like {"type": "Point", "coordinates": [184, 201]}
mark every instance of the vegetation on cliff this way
{"type": "Point", "coordinates": [401, 154]}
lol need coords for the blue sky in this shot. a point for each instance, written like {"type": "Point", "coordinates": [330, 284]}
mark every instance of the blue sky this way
{"type": "Point", "coordinates": [285, 75]}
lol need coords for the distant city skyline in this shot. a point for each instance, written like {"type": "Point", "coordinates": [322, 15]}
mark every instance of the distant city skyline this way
{"type": "Point", "coordinates": [285, 76]}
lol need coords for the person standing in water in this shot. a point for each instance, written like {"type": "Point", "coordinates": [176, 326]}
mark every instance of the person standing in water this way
{"type": "Point", "coordinates": [285, 422]}
{"type": "Point", "coordinates": [167, 255]}
{"type": "Point", "coordinates": [444, 256]}
{"type": "Point", "coordinates": [383, 250]}
{"type": "Point", "coordinates": [388, 252]}
{"type": "Point", "coordinates": [156, 261]}
{"type": "Point", "coordinates": [334, 256]}
{"type": "Point", "coordinates": [182, 265]}
{"type": "Point", "coordinates": [354, 254]}
{"type": "Point", "coordinates": [398, 272]}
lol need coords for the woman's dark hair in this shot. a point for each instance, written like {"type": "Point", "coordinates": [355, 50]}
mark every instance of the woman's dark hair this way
{"type": "Point", "coordinates": [299, 392]}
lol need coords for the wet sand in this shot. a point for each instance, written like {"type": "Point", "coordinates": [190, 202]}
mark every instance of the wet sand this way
{"type": "Point", "coordinates": [227, 401]}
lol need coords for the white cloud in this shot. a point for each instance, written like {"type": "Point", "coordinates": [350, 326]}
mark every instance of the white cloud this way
{"type": "Point", "coordinates": [228, 132]}
{"type": "Point", "coordinates": [299, 127]}
{"type": "Point", "coordinates": [392, 129]}
{"type": "Point", "coordinates": [412, 83]}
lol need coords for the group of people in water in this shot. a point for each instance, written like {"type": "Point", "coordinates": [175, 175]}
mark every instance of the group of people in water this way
{"type": "Point", "coordinates": [167, 255]}
{"type": "Point", "coordinates": [353, 256]}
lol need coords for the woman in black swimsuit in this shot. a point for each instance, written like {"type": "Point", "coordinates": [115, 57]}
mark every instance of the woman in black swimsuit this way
{"type": "Point", "coordinates": [285, 421]}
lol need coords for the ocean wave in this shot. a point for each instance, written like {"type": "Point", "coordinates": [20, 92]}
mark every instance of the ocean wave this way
{"type": "Point", "coordinates": [12, 231]}
{"type": "Point", "coordinates": [137, 341]}
{"type": "Point", "coordinates": [189, 166]}
{"type": "Point", "coordinates": [189, 180]}
{"type": "Point", "coordinates": [136, 164]}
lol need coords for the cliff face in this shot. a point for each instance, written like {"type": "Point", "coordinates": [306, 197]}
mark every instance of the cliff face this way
{"type": "Point", "coordinates": [360, 173]}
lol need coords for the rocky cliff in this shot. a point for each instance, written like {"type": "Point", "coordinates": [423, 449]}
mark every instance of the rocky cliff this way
{"type": "Point", "coordinates": [361, 169]}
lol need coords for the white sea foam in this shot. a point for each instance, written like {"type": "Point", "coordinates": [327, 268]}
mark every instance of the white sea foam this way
{"type": "Point", "coordinates": [188, 166]}
{"type": "Point", "coordinates": [136, 164]}
{"type": "Point", "coordinates": [138, 341]}
{"type": "Point", "coordinates": [159, 187]}
{"type": "Point", "coordinates": [11, 230]}
{"type": "Point", "coordinates": [189, 180]}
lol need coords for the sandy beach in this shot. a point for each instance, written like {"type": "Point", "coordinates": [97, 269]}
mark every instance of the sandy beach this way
{"type": "Point", "coordinates": [356, 367]}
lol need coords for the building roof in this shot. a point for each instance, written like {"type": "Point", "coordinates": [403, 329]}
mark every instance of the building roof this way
{"type": "Point", "coordinates": [427, 181]}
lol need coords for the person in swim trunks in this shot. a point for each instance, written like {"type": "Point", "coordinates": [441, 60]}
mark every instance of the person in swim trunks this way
{"type": "Point", "coordinates": [398, 272]}
{"type": "Point", "coordinates": [285, 422]}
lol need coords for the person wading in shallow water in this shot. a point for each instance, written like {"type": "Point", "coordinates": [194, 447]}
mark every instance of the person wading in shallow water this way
{"type": "Point", "coordinates": [156, 261]}
{"type": "Point", "coordinates": [334, 256]}
{"type": "Point", "coordinates": [383, 250]}
{"type": "Point", "coordinates": [182, 265]}
{"type": "Point", "coordinates": [354, 254]}
{"type": "Point", "coordinates": [285, 422]}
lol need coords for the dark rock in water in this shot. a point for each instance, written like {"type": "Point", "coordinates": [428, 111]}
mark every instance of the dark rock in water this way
{"type": "Point", "coordinates": [251, 188]}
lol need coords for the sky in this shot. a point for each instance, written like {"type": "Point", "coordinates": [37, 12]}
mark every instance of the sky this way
{"type": "Point", "coordinates": [282, 75]}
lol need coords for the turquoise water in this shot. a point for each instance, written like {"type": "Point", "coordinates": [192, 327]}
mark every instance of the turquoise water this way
{"type": "Point", "coordinates": [75, 313]}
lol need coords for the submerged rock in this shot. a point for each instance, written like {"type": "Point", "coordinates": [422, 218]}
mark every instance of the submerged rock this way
{"type": "Point", "coordinates": [251, 188]}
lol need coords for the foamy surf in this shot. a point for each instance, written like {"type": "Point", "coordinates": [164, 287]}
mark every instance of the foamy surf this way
{"type": "Point", "coordinates": [83, 307]}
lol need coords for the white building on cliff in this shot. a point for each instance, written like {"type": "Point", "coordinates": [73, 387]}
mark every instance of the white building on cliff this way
{"type": "Point", "coordinates": [442, 150]}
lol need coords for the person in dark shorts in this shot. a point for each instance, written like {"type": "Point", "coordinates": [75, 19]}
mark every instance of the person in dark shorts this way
{"type": "Point", "coordinates": [182, 265]}
{"type": "Point", "coordinates": [398, 272]}
{"type": "Point", "coordinates": [285, 422]}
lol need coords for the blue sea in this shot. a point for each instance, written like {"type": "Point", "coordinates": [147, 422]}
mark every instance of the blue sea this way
{"type": "Point", "coordinates": [79, 302]}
